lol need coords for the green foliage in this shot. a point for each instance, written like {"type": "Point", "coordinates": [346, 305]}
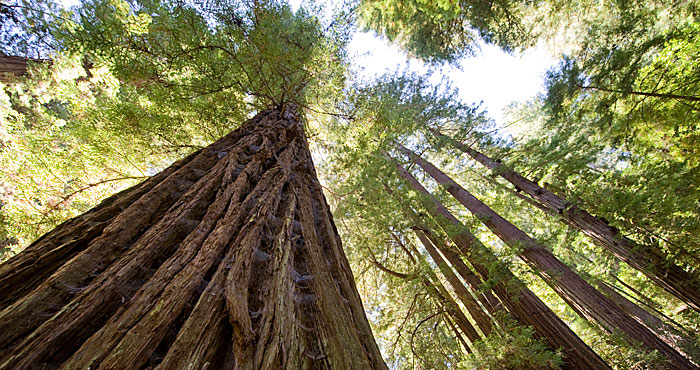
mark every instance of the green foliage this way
{"type": "Point", "coordinates": [54, 160]}
{"type": "Point", "coordinates": [446, 30]}
{"type": "Point", "coordinates": [132, 86]}
{"type": "Point", "coordinates": [241, 50]}
{"type": "Point", "coordinates": [621, 122]}
{"type": "Point", "coordinates": [25, 27]}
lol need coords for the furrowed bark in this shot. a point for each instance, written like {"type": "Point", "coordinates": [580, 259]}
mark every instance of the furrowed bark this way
{"type": "Point", "coordinates": [648, 259]}
{"type": "Point", "coordinates": [144, 225]}
{"type": "Point", "coordinates": [39, 260]}
{"type": "Point", "coordinates": [226, 260]}
{"type": "Point", "coordinates": [578, 294]}
{"type": "Point", "coordinates": [516, 297]}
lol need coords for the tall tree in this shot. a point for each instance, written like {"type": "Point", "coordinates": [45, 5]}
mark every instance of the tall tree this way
{"type": "Point", "coordinates": [136, 85]}
{"type": "Point", "coordinates": [479, 315]}
{"type": "Point", "coordinates": [12, 66]}
{"type": "Point", "coordinates": [227, 258]}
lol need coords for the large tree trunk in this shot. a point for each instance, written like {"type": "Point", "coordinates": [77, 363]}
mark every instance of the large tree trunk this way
{"type": "Point", "coordinates": [228, 259]}
{"type": "Point", "coordinates": [578, 294]}
{"type": "Point", "coordinates": [516, 297]}
{"type": "Point", "coordinates": [648, 259]}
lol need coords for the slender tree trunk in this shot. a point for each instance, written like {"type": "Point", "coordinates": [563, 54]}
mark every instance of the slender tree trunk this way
{"type": "Point", "coordinates": [580, 295]}
{"type": "Point", "coordinates": [648, 259]}
{"type": "Point", "coordinates": [438, 291]}
{"type": "Point", "coordinates": [458, 335]}
{"type": "Point", "coordinates": [229, 259]}
{"type": "Point", "coordinates": [643, 93]}
{"type": "Point", "coordinates": [479, 316]}
{"type": "Point", "coordinates": [516, 297]}
{"type": "Point", "coordinates": [489, 301]}
{"type": "Point", "coordinates": [452, 308]}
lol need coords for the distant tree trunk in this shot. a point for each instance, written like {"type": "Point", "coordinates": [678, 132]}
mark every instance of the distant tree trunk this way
{"type": "Point", "coordinates": [648, 259]}
{"type": "Point", "coordinates": [452, 308]}
{"type": "Point", "coordinates": [516, 297]}
{"type": "Point", "coordinates": [580, 295]}
{"type": "Point", "coordinates": [438, 291]}
{"type": "Point", "coordinates": [458, 335]}
{"type": "Point", "coordinates": [487, 298]}
{"type": "Point", "coordinates": [479, 316]}
{"type": "Point", "coordinates": [228, 259]}
{"type": "Point", "coordinates": [642, 93]}
{"type": "Point", "coordinates": [11, 66]}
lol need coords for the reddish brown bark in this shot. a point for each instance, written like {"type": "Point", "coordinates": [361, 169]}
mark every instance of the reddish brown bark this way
{"type": "Point", "coordinates": [648, 259]}
{"type": "Point", "coordinates": [227, 259]}
{"type": "Point", "coordinates": [444, 300]}
{"type": "Point", "coordinates": [438, 291]}
{"type": "Point", "coordinates": [451, 307]}
{"type": "Point", "coordinates": [578, 294]}
{"type": "Point", "coordinates": [474, 282]}
{"type": "Point", "coordinates": [458, 335]}
{"type": "Point", "coordinates": [516, 297]}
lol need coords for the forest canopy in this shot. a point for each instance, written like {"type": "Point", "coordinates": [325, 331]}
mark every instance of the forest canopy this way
{"type": "Point", "coordinates": [467, 237]}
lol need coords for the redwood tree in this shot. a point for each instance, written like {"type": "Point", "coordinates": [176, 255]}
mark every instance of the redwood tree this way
{"type": "Point", "coordinates": [11, 66]}
{"type": "Point", "coordinates": [227, 259]}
